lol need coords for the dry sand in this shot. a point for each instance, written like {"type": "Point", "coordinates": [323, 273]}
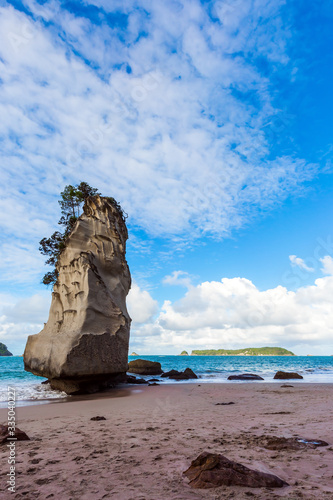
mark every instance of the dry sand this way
{"type": "Point", "coordinates": [151, 434]}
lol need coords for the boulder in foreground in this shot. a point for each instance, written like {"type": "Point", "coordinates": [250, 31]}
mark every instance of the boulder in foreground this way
{"type": "Point", "coordinates": [84, 345]}
{"type": "Point", "coordinates": [245, 376]}
{"type": "Point", "coordinates": [287, 375]}
{"type": "Point", "coordinates": [210, 470]}
{"type": "Point", "coordinates": [144, 367]}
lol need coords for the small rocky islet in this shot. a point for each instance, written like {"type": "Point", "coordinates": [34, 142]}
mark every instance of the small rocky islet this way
{"type": "Point", "coordinates": [4, 351]}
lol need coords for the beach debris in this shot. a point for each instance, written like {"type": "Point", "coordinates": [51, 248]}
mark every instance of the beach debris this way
{"type": "Point", "coordinates": [98, 418]}
{"type": "Point", "coordinates": [187, 374]}
{"type": "Point", "coordinates": [224, 404]}
{"type": "Point", "coordinates": [210, 470]}
{"type": "Point", "coordinates": [286, 375]}
{"type": "Point", "coordinates": [85, 340]}
{"type": "Point", "coordinates": [286, 385]}
{"type": "Point", "coordinates": [144, 367]}
{"type": "Point", "coordinates": [133, 380]}
{"type": "Point", "coordinates": [245, 376]}
{"type": "Point", "coordinates": [17, 434]}
{"type": "Point", "coordinates": [294, 443]}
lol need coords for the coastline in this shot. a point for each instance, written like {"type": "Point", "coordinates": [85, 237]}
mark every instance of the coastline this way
{"type": "Point", "coordinates": [151, 435]}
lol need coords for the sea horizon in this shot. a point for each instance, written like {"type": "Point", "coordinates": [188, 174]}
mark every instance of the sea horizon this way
{"type": "Point", "coordinates": [209, 369]}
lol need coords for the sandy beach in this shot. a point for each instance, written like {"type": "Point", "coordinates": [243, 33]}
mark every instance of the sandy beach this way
{"type": "Point", "coordinates": [151, 435]}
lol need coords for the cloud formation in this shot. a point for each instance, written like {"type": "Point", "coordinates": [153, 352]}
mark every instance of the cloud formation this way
{"type": "Point", "coordinates": [167, 106]}
{"type": "Point", "coordinates": [230, 313]}
{"type": "Point", "coordinates": [233, 313]}
{"type": "Point", "coordinates": [181, 278]}
{"type": "Point", "coordinates": [327, 262]}
{"type": "Point", "coordinates": [298, 262]}
{"type": "Point", "coordinates": [141, 306]}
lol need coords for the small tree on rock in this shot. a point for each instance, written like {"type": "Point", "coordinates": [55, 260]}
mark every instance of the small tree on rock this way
{"type": "Point", "coordinates": [71, 203]}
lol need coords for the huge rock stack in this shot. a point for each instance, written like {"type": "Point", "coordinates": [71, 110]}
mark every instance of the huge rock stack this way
{"type": "Point", "coordinates": [84, 345]}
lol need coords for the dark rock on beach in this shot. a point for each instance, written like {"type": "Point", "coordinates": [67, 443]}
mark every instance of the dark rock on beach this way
{"type": "Point", "coordinates": [19, 435]}
{"type": "Point", "coordinates": [286, 375]}
{"type": "Point", "coordinates": [245, 376]}
{"type": "Point", "coordinates": [176, 375]}
{"type": "Point", "coordinates": [225, 404]}
{"type": "Point", "coordinates": [144, 367]}
{"type": "Point", "coordinates": [98, 418]}
{"type": "Point", "coordinates": [133, 380]}
{"type": "Point", "coordinates": [286, 385]}
{"type": "Point", "coordinates": [210, 470]}
{"type": "Point", "coordinates": [282, 443]}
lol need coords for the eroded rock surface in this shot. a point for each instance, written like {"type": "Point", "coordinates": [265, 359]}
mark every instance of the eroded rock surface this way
{"type": "Point", "coordinates": [84, 345]}
{"type": "Point", "coordinates": [210, 470]}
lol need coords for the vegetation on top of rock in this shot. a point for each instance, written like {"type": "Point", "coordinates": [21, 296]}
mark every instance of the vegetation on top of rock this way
{"type": "Point", "coordinates": [71, 203]}
{"type": "Point", "coordinates": [249, 351]}
{"type": "Point", "coordinates": [4, 351]}
{"type": "Point", "coordinates": [184, 353]}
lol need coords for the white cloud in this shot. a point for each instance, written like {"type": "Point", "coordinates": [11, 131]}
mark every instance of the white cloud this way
{"type": "Point", "coordinates": [234, 313]}
{"type": "Point", "coordinates": [327, 262]}
{"type": "Point", "coordinates": [298, 262]}
{"type": "Point", "coordinates": [230, 313]}
{"type": "Point", "coordinates": [22, 317]}
{"type": "Point", "coordinates": [181, 278]}
{"type": "Point", "coordinates": [157, 115]}
{"type": "Point", "coordinates": [33, 309]}
{"type": "Point", "coordinates": [141, 306]}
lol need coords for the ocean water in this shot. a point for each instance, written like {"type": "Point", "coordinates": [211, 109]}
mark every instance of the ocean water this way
{"type": "Point", "coordinates": [314, 369]}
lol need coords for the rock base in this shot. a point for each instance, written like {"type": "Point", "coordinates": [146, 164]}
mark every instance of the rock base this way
{"type": "Point", "coordinates": [87, 385]}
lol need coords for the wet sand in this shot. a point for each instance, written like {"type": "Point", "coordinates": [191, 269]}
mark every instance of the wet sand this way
{"type": "Point", "coordinates": [151, 434]}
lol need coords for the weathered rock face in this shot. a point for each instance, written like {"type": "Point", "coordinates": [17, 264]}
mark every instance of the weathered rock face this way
{"type": "Point", "coordinates": [85, 341]}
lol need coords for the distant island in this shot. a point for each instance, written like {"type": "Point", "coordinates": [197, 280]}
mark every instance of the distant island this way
{"type": "Point", "coordinates": [249, 351]}
{"type": "Point", "coordinates": [4, 351]}
{"type": "Point", "coordinates": [183, 353]}
{"type": "Point", "coordinates": [134, 354]}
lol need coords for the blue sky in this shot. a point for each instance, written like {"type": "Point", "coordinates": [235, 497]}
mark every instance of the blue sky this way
{"type": "Point", "coordinates": [210, 122]}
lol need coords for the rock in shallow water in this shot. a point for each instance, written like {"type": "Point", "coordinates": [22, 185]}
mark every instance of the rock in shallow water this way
{"type": "Point", "coordinates": [287, 375]}
{"type": "Point", "coordinates": [210, 470]}
{"type": "Point", "coordinates": [84, 345]}
{"type": "Point", "coordinates": [187, 374]}
{"type": "Point", "coordinates": [144, 367]}
{"type": "Point", "coordinates": [245, 376]}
